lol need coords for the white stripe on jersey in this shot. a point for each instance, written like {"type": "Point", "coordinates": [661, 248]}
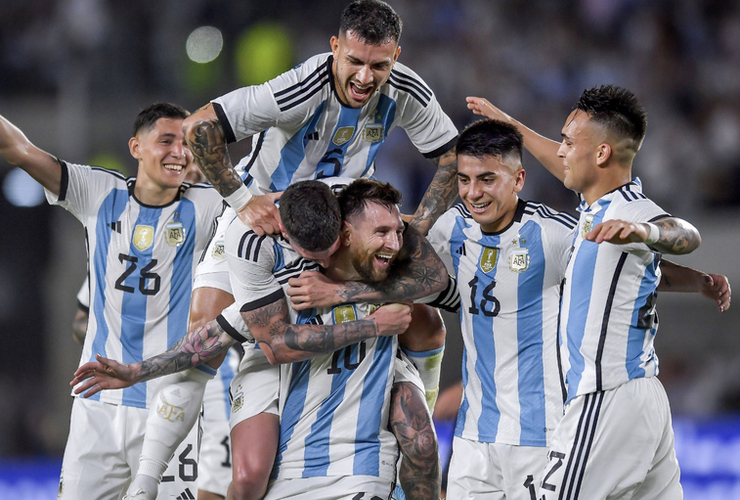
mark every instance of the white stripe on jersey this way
{"type": "Point", "coordinates": [306, 133]}
{"type": "Point", "coordinates": [509, 286]}
{"type": "Point", "coordinates": [608, 320]}
{"type": "Point", "coordinates": [141, 264]}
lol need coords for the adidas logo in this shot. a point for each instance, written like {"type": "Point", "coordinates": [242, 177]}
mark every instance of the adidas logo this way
{"type": "Point", "coordinates": [186, 495]}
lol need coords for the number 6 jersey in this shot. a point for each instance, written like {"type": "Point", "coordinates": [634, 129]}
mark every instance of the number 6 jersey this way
{"type": "Point", "coordinates": [139, 303]}
{"type": "Point", "coordinates": [509, 285]}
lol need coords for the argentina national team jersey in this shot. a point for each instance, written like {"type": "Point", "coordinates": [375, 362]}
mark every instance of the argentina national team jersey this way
{"type": "Point", "coordinates": [343, 397]}
{"type": "Point", "coordinates": [302, 131]}
{"type": "Point", "coordinates": [141, 262]}
{"type": "Point", "coordinates": [509, 285]}
{"type": "Point", "coordinates": [608, 321]}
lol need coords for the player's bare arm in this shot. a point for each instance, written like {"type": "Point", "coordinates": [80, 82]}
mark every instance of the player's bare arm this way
{"type": "Point", "coordinates": [197, 347]}
{"type": "Point", "coordinates": [677, 278]}
{"type": "Point", "coordinates": [283, 342]}
{"type": "Point", "coordinates": [542, 148]}
{"type": "Point", "coordinates": [207, 141]}
{"type": "Point", "coordinates": [418, 272]}
{"type": "Point", "coordinates": [440, 194]}
{"type": "Point", "coordinates": [410, 422]}
{"type": "Point", "coordinates": [674, 235]}
{"type": "Point", "coordinates": [19, 151]}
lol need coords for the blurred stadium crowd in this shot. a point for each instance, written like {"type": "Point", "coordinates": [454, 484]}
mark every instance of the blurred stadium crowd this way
{"type": "Point", "coordinates": [74, 74]}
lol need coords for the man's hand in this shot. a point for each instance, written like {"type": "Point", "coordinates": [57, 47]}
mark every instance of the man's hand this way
{"type": "Point", "coordinates": [261, 214]}
{"type": "Point", "coordinates": [483, 107]}
{"type": "Point", "coordinates": [717, 288]}
{"type": "Point", "coordinates": [103, 374]}
{"type": "Point", "coordinates": [392, 319]}
{"type": "Point", "coordinates": [313, 289]}
{"type": "Point", "coordinates": [619, 232]}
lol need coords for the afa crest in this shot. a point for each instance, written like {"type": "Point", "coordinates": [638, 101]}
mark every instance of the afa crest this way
{"type": "Point", "coordinates": [373, 132]}
{"type": "Point", "coordinates": [238, 401]}
{"type": "Point", "coordinates": [488, 259]}
{"type": "Point", "coordinates": [171, 413]}
{"type": "Point", "coordinates": [143, 236]}
{"type": "Point", "coordinates": [343, 135]}
{"type": "Point", "coordinates": [175, 234]}
{"type": "Point", "coordinates": [588, 224]}
{"type": "Point", "coordinates": [219, 253]}
{"type": "Point", "coordinates": [519, 260]}
{"type": "Point", "coordinates": [343, 314]}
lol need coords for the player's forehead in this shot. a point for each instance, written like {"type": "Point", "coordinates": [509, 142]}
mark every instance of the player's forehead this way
{"type": "Point", "coordinates": [469, 166]}
{"type": "Point", "coordinates": [164, 127]}
{"type": "Point", "coordinates": [376, 216]}
{"type": "Point", "coordinates": [578, 125]}
{"type": "Point", "coordinates": [355, 48]}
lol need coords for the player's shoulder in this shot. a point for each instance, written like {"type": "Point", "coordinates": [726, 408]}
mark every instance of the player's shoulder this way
{"type": "Point", "coordinates": [629, 199]}
{"type": "Point", "coordinates": [548, 217]}
{"type": "Point", "coordinates": [403, 82]}
{"type": "Point", "coordinates": [97, 172]}
{"type": "Point", "coordinates": [453, 214]}
{"type": "Point", "coordinates": [303, 82]}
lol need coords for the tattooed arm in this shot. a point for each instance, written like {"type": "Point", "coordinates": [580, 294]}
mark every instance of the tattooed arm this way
{"type": "Point", "coordinates": [440, 194]}
{"type": "Point", "coordinates": [283, 342]}
{"type": "Point", "coordinates": [207, 141]}
{"type": "Point", "coordinates": [201, 345]}
{"type": "Point", "coordinates": [418, 272]}
{"type": "Point", "coordinates": [677, 236]}
{"type": "Point", "coordinates": [412, 425]}
{"type": "Point", "coordinates": [676, 278]}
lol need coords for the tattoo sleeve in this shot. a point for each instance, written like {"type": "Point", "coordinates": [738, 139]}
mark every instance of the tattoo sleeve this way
{"type": "Point", "coordinates": [676, 236]}
{"type": "Point", "coordinates": [197, 347]}
{"type": "Point", "coordinates": [411, 424]}
{"type": "Point", "coordinates": [439, 195]}
{"type": "Point", "coordinates": [284, 342]}
{"type": "Point", "coordinates": [208, 144]}
{"type": "Point", "coordinates": [417, 272]}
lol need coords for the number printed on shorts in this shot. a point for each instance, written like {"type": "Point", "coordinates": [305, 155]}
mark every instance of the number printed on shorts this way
{"type": "Point", "coordinates": [149, 282]}
{"type": "Point", "coordinates": [557, 457]}
{"type": "Point", "coordinates": [187, 468]}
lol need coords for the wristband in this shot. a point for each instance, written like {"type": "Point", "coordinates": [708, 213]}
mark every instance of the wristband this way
{"type": "Point", "coordinates": [654, 235]}
{"type": "Point", "coordinates": [239, 198]}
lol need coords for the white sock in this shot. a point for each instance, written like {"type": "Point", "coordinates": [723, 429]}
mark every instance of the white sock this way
{"type": "Point", "coordinates": [429, 364]}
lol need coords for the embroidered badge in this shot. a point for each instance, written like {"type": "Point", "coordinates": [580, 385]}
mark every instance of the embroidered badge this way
{"type": "Point", "coordinates": [343, 135]}
{"type": "Point", "coordinates": [175, 234]}
{"type": "Point", "coordinates": [488, 259]}
{"type": "Point", "coordinates": [343, 314]}
{"type": "Point", "coordinates": [373, 132]}
{"type": "Point", "coordinates": [143, 237]}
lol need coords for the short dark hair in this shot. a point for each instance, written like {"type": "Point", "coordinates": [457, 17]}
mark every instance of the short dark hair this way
{"type": "Point", "coordinates": [490, 138]}
{"type": "Point", "coordinates": [354, 198]}
{"type": "Point", "coordinates": [616, 109]}
{"type": "Point", "coordinates": [149, 116]}
{"type": "Point", "coordinates": [372, 21]}
{"type": "Point", "coordinates": [310, 214]}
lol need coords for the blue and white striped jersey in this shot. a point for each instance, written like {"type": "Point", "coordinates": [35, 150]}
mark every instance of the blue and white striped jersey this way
{"type": "Point", "coordinates": [608, 320]}
{"type": "Point", "coordinates": [335, 407]}
{"type": "Point", "coordinates": [509, 285]}
{"type": "Point", "coordinates": [306, 133]}
{"type": "Point", "coordinates": [141, 263]}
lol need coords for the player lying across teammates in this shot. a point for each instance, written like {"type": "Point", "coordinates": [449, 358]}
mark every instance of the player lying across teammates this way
{"type": "Point", "coordinates": [335, 415]}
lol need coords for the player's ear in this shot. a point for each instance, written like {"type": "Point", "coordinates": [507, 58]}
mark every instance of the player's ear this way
{"type": "Point", "coordinates": [334, 43]}
{"type": "Point", "coordinates": [346, 233]}
{"type": "Point", "coordinates": [603, 153]}
{"type": "Point", "coordinates": [398, 53]}
{"type": "Point", "coordinates": [519, 177]}
{"type": "Point", "coordinates": [133, 147]}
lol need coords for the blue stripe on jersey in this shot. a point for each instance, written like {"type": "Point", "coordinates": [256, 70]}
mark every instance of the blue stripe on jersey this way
{"type": "Point", "coordinates": [385, 113]}
{"type": "Point", "coordinates": [182, 274]}
{"type": "Point", "coordinates": [133, 305]}
{"type": "Point", "coordinates": [293, 409]}
{"type": "Point", "coordinates": [530, 341]}
{"type": "Point", "coordinates": [293, 153]}
{"type": "Point", "coordinates": [636, 336]}
{"type": "Point", "coordinates": [226, 374]}
{"type": "Point", "coordinates": [485, 347]}
{"type": "Point", "coordinates": [109, 213]}
{"type": "Point", "coordinates": [580, 300]}
{"type": "Point", "coordinates": [367, 444]}
{"type": "Point", "coordinates": [279, 257]}
{"type": "Point", "coordinates": [330, 165]}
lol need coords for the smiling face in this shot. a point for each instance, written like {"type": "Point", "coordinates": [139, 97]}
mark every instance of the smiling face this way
{"type": "Point", "coordinates": [374, 237]}
{"type": "Point", "coordinates": [163, 156]}
{"type": "Point", "coordinates": [582, 146]}
{"type": "Point", "coordinates": [360, 68]}
{"type": "Point", "coordinates": [489, 188]}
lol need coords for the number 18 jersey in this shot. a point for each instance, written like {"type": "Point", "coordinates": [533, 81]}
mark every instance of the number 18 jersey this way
{"type": "Point", "coordinates": [141, 260]}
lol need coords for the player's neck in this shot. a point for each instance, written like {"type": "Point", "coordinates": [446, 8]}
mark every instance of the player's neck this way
{"type": "Point", "coordinates": [341, 268]}
{"type": "Point", "coordinates": [606, 184]}
{"type": "Point", "coordinates": [148, 193]}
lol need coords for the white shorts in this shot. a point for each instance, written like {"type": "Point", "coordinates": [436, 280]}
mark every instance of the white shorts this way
{"type": "Point", "coordinates": [212, 271]}
{"type": "Point", "coordinates": [329, 488]}
{"type": "Point", "coordinates": [215, 450]}
{"type": "Point", "coordinates": [254, 389]}
{"type": "Point", "coordinates": [494, 471]}
{"type": "Point", "coordinates": [103, 449]}
{"type": "Point", "coordinates": [614, 444]}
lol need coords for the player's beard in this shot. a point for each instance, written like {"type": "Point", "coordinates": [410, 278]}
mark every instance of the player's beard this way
{"type": "Point", "coordinates": [364, 264]}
